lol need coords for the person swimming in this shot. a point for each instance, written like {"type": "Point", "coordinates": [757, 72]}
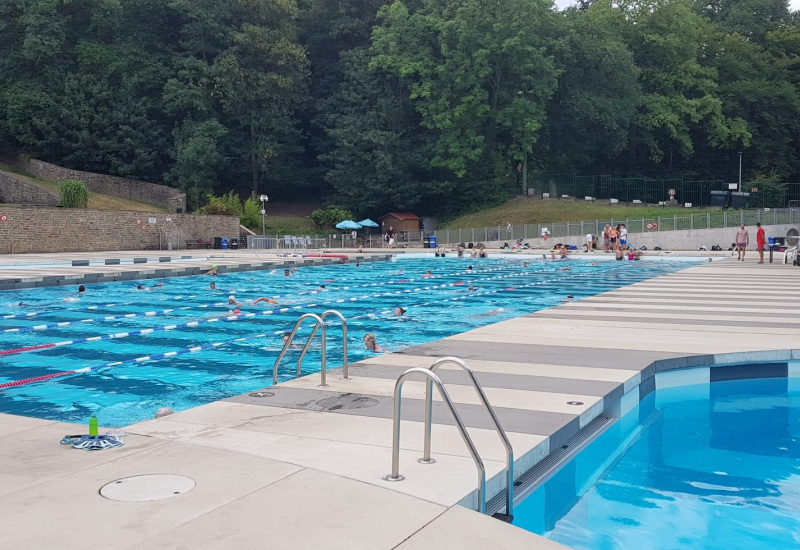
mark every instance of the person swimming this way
{"type": "Point", "coordinates": [569, 298]}
{"type": "Point", "coordinates": [427, 274]}
{"type": "Point", "coordinates": [81, 290]}
{"type": "Point", "coordinates": [399, 311]}
{"type": "Point", "coordinates": [371, 344]}
{"type": "Point", "coordinates": [212, 271]}
{"type": "Point", "coordinates": [264, 299]}
{"type": "Point", "coordinates": [142, 287]}
{"type": "Point", "coordinates": [232, 301]}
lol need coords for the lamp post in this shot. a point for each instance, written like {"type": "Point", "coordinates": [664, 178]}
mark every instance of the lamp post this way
{"type": "Point", "coordinates": [740, 171]}
{"type": "Point", "coordinates": [264, 200]}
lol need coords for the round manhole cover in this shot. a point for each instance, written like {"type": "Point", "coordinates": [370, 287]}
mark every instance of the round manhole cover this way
{"type": "Point", "coordinates": [147, 487]}
{"type": "Point", "coordinates": [347, 401]}
{"type": "Point", "coordinates": [262, 394]}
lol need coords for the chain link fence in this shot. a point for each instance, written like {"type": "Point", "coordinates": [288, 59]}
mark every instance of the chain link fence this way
{"type": "Point", "coordinates": [645, 191]}
{"type": "Point", "coordinates": [705, 220]}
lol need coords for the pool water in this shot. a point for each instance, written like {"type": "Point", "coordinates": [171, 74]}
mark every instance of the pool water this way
{"type": "Point", "coordinates": [712, 466]}
{"type": "Point", "coordinates": [188, 320]}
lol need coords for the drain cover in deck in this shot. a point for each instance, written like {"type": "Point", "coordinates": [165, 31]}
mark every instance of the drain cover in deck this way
{"type": "Point", "coordinates": [347, 401]}
{"type": "Point", "coordinates": [147, 487]}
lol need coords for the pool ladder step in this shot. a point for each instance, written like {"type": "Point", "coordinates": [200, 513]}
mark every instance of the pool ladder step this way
{"type": "Point", "coordinates": [319, 323]}
{"type": "Point", "coordinates": [434, 380]}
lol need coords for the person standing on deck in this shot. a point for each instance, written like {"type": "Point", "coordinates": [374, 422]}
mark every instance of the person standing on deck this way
{"type": "Point", "coordinates": [742, 240]}
{"type": "Point", "coordinates": [761, 242]}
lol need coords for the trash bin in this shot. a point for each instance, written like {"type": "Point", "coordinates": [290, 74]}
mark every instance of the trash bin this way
{"type": "Point", "coordinates": [225, 243]}
{"type": "Point", "coordinates": [217, 242]}
{"type": "Point", "coordinates": [432, 241]}
{"type": "Point", "coordinates": [426, 242]}
{"type": "Point", "coordinates": [234, 244]}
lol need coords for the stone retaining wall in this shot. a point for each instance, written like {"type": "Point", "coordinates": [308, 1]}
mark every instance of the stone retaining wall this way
{"type": "Point", "coordinates": [14, 191]}
{"type": "Point", "coordinates": [44, 229]}
{"type": "Point", "coordinates": [151, 193]}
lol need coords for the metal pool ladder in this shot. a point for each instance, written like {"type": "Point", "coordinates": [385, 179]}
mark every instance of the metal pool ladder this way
{"type": "Point", "coordinates": [319, 322]}
{"type": "Point", "coordinates": [434, 380]}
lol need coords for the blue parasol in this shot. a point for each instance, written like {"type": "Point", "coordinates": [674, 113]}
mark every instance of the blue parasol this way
{"type": "Point", "coordinates": [348, 224]}
{"type": "Point", "coordinates": [368, 223]}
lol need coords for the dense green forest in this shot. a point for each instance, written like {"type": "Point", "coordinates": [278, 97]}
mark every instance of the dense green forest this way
{"type": "Point", "coordinates": [428, 105]}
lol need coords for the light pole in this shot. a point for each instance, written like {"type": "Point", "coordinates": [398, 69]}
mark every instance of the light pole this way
{"type": "Point", "coordinates": [740, 171]}
{"type": "Point", "coordinates": [264, 200]}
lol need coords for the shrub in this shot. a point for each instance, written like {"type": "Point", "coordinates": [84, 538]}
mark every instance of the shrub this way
{"type": "Point", "coordinates": [230, 204]}
{"type": "Point", "coordinates": [329, 217]}
{"type": "Point", "coordinates": [251, 213]}
{"type": "Point", "coordinates": [74, 194]}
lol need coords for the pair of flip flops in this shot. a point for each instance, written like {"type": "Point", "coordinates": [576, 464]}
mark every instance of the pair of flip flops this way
{"type": "Point", "coordinates": [92, 442]}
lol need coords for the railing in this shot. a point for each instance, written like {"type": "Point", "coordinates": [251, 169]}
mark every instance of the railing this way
{"type": "Point", "coordinates": [319, 323]}
{"type": "Point", "coordinates": [433, 379]}
{"type": "Point", "coordinates": [462, 430]}
{"type": "Point", "coordinates": [344, 343]}
{"type": "Point", "coordinates": [285, 242]}
{"type": "Point", "coordinates": [426, 458]}
{"type": "Point", "coordinates": [705, 220]}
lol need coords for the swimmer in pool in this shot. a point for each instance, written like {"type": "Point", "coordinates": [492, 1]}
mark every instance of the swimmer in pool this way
{"type": "Point", "coordinates": [569, 298]}
{"type": "Point", "coordinates": [142, 287]}
{"type": "Point", "coordinates": [212, 271]}
{"type": "Point", "coordinates": [263, 299]}
{"type": "Point", "coordinates": [370, 344]}
{"type": "Point", "coordinates": [427, 274]}
{"type": "Point", "coordinates": [286, 273]}
{"type": "Point", "coordinates": [524, 264]}
{"type": "Point", "coordinates": [232, 301]}
{"type": "Point", "coordinates": [81, 290]}
{"type": "Point", "coordinates": [399, 311]}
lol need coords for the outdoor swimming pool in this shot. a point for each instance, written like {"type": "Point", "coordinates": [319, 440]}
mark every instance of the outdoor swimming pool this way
{"type": "Point", "coordinates": [192, 350]}
{"type": "Point", "coordinates": [712, 466]}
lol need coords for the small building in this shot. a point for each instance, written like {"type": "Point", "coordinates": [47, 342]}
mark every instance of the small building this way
{"type": "Point", "coordinates": [401, 221]}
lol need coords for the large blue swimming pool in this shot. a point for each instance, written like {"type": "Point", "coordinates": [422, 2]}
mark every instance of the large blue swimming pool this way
{"type": "Point", "coordinates": [702, 466]}
{"type": "Point", "coordinates": [181, 330]}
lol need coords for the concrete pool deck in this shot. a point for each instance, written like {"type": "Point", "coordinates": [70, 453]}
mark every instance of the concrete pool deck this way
{"type": "Point", "coordinates": [298, 466]}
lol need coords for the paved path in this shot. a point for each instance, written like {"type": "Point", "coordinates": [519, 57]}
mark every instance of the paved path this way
{"type": "Point", "coordinates": [297, 466]}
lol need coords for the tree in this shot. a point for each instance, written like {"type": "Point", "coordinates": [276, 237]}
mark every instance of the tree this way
{"type": "Point", "coordinates": [590, 116]}
{"type": "Point", "coordinates": [479, 76]}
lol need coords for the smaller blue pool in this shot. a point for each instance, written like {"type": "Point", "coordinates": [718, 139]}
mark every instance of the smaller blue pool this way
{"type": "Point", "coordinates": [702, 466]}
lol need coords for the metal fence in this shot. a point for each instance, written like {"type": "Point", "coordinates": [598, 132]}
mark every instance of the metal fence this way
{"type": "Point", "coordinates": [705, 220]}
{"type": "Point", "coordinates": [646, 191]}
{"type": "Point", "coordinates": [334, 240]}
{"type": "Point", "coordinates": [285, 242]}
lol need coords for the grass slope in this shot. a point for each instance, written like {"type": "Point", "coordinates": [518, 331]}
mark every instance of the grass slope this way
{"type": "Point", "coordinates": [531, 211]}
{"type": "Point", "coordinates": [96, 200]}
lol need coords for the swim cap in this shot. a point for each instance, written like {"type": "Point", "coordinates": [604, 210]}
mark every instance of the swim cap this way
{"type": "Point", "coordinates": [231, 297]}
{"type": "Point", "coordinates": [214, 266]}
{"type": "Point", "coordinates": [237, 311]}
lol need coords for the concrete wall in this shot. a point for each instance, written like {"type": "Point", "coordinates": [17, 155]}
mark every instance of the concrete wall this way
{"type": "Point", "coordinates": [151, 193]}
{"type": "Point", "coordinates": [14, 191]}
{"type": "Point", "coordinates": [43, 229]}
{"type": "Point", "coordinates": [667, 240]}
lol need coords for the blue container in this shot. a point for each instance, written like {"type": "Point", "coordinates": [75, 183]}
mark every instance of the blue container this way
{"type": "Point", "coordinates": [771, 241]}
{"type": "Point", "coordinates": [432, 241]}
{"type": "Point", "coordinates": [225, 243]}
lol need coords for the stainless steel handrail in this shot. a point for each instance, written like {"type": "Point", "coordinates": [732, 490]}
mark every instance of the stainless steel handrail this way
{"type": "Point", "coordinates": [435, 380]}
{"type": "Point", "coordinates": [426, 458]}
{"type": "Point", "coordinates": [344, 340]}
{"type": "Point", "coordinates": [288, 343]}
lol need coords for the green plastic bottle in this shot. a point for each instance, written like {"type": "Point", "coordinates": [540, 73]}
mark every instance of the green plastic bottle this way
{"type": "Point", "coordinates": [93, 425]}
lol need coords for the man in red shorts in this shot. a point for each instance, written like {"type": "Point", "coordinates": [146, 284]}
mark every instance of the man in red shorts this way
{"type": "Point", "coordinates": [761, 242]}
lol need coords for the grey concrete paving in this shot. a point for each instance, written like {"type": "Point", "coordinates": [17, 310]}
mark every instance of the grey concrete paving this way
{"type": "Point", "coordinates": [298, 466]}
